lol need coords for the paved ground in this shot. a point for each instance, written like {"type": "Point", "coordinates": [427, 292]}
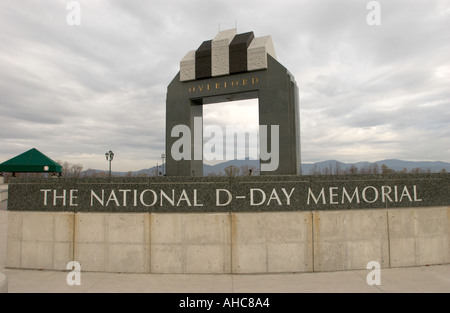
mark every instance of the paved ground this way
{"type": "Point", "coordinates": [415, 280]}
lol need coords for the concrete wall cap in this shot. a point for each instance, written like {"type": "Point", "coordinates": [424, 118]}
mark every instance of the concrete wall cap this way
{"type": "Point", "coordinates": [190, 56]}
{"type": "Point", "coordinates": [263, 43]}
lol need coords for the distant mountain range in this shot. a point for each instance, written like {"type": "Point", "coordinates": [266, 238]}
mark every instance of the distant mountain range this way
{"type": "Point", "coordinates": [330, 166]}
{"type": "Point", "coordinates": [393, 164]}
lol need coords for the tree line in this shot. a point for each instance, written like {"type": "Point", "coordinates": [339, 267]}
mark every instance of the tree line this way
{"type": "Point", "coordinates": [75, 170]}
{"type": "Point", "coordinates": [72, 170]}
{"type": "Point", "coordinates": [331, 169]}
{"type": "Point", "coordinates": [371, 168]}
{"type": "Point", "coordinates": [234, 171]}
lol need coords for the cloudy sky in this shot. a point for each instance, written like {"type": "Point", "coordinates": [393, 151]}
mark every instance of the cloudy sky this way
{"type": "Point", "coordinates": [367, 93]}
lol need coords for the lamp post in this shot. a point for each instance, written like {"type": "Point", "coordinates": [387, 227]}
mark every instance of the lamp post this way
{"type": "Point", "coordinates": [109, 157]}
{"type": "Point", "coordinates": [163, 156]}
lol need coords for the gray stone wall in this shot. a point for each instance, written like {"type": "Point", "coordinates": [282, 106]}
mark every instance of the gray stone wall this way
{"type": "Point", "coordinates": [235, 194]}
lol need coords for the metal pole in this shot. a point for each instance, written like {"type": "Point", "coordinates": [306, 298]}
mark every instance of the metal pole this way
{"type": "Point", "coordinates": [163, 165]}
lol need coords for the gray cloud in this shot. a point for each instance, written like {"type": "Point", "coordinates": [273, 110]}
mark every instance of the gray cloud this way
{"type": "Point", "coordinates": [366, 92]}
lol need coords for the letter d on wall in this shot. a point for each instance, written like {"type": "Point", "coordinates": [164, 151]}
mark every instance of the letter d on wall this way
{"type": "Point", "coordinates": [230, 197]}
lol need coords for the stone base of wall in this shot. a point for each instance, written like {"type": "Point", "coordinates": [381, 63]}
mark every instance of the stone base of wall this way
{"type": "Point", "coordinates": [219, 243]}
{"type": "Point", "coordinates": [3, 283]}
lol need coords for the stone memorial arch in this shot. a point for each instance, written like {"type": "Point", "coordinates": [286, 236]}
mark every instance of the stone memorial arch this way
{"type": "Point", "coordinates": [234, 67]}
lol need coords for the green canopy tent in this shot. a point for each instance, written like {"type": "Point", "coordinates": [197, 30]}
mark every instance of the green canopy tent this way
{"type": "Point", "coordinates": [32, 161]}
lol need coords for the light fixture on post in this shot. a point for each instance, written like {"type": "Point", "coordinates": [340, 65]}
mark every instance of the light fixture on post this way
{"type": "Point", "coordinates": [109, 157]}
